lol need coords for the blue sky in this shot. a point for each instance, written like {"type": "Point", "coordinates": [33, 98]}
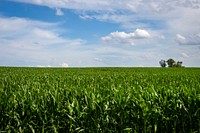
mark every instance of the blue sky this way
{"type": "Point", "coordinates": [92, 33]}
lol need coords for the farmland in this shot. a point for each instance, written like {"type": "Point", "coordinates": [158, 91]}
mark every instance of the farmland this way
{"type": "Point", "coordinates": [99, 100]}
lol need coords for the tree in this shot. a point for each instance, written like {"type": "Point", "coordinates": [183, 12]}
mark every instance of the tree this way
{"type": "Point", "coordinates": [162, 63]}
{"type": "Point", "coordinates": [171, 62]}
{"type": "Point", "coordinates": [179, 64]}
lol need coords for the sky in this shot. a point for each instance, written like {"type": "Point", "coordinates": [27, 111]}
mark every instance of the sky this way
{"type": "Point", "coordinates": [99, 33]}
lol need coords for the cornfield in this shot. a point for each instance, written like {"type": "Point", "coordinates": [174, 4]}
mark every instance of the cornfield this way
{"type": "Point", "coordinates": [98, 100]}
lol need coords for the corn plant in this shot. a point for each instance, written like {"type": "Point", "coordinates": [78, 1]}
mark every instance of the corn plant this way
{"type": "Point", "coordinates": [139, 100]}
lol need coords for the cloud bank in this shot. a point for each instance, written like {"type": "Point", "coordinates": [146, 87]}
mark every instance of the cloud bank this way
{"type": "Point", "coordinates": [26, 41]}
{"type": "Point", "coordinates": [163, 28]}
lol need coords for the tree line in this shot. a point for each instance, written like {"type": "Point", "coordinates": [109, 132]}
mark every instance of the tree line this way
{"type": "Point", "coordinates": [170, 63]}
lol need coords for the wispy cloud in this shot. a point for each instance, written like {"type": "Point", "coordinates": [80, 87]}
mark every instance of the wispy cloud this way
{"type": "Point", "coordinates": [59, 12]}
{"type": "Point", "coordinates": [171, 16]}
{"type": "Point", "coordinates": [116, 5]}
{"type": "Point", "coordinates": [157, 29]}
{"type": "Point", "coordinates": [30, 41]}
{"type": "Point", "coordinates": [181, 39]}
{"type": "Point", "coordinates": [35, 43]}
{"type": "Point", "coordinates": [188, 40]}
{"type": "Point", "coordinates": [173, 13]}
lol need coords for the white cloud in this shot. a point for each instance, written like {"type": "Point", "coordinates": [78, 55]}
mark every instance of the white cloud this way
{"type": "Point", "coordinates": [188, 40]}
{"type": "Point", "coordinates": [31, 33]}
{"type": "Point", "coordinates": [115, 5]}
{"type": "Point", "coordinates": [59, 12]}
{"type": "Point", "coordinates": [69, 4]}
{"type": "Point", "coordinates": [163, 19]}
{"type": "Point", "coordinates": [184, 20]}
{"type": "Point", "coordinates": [64, 65]}
{"type": "Point", "coordinates": [173, 16]}
{"type": "Point", "coordinates": [44, 34]}
{"type": "Point", "coordinates": [129, 38]}
{"type": "Point", "coordinates": [185, 55]}
{"type": "Point", "coordinates": [36, 42]}
{"type": "Point", "coordinates": [24, 41]}
{"type": "Point", "coordinates": [141, 34]}
{"type": "Point", "coordinates": [181, 39]}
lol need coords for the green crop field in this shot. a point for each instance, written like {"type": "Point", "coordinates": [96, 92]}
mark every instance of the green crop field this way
{"type": "Point", "coordinates": [100, 100]}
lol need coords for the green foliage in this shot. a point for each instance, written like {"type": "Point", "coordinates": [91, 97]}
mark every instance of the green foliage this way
{"type": "Point", "coordinates": [162, 63]}
{"type": "Point", "coordinates": [99, 100]}
{"type": "Point", "coordinates": [171, 62]}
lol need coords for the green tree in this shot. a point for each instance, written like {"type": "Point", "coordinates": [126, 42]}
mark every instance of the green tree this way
{"type": "Point", "coordinates": [171, 62]}
{"type": "Point", "coordinates": [162, 63]}
{"type": "Point", "coordinates": [179, 64]}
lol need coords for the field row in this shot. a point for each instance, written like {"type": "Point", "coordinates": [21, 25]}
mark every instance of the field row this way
{"type": "Point", "coordinates": [99, 99]}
